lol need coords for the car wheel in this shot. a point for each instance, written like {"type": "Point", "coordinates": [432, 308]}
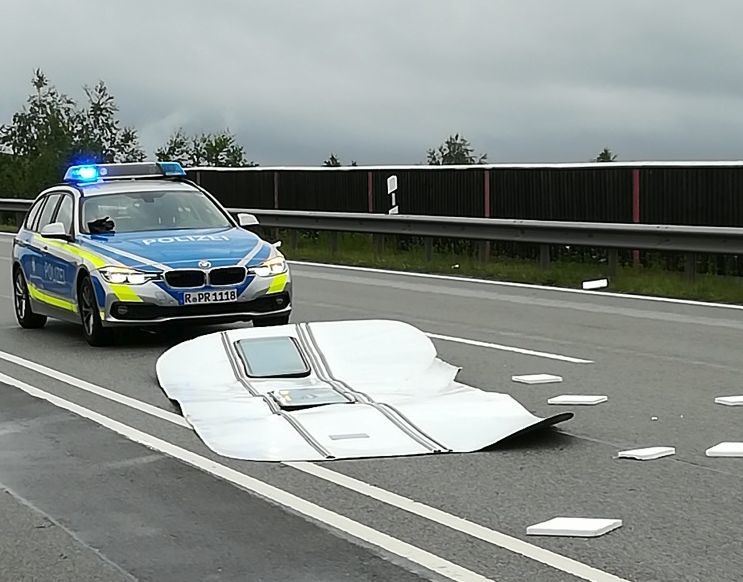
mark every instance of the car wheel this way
{"type": "Point", "coordinates": [22, 302]}
{"type": "Point", "coordinates": [271, 320]}
{"type": "Point", "coordinates": [93, 330]}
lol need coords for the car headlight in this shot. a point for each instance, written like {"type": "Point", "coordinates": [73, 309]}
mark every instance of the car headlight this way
{"type": "Point", "coordinates": [122, 275]}
{"type": "Point", "coordinates": [271, 267]}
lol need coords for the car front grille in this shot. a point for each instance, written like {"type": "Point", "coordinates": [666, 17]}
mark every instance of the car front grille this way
{"type": "Point", "coordinates": [227, 276]}
{"type": "Point", "coordinates": [185, 278]}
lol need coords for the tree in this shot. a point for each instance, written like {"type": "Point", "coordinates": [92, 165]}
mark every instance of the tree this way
{"type": "Point", "coordinates": [605, 155]}
{"type": "Point", "coordinates": [334, 162]}
{"type": "Point", "coordinates": [205, 149]}
{"type": "Point", "coordinates": [455, 150]}
{"type": "Point", "coordinates": [100, 134]}
{"type": "Point", "coordinates": [51, 132]}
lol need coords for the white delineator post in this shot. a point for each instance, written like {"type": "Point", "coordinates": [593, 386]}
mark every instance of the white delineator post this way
{"type": "Point", "coordinates": [392, 191]}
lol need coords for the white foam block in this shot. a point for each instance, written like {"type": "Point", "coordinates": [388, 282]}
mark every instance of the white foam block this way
{"type": "Point", "coordinates": [647, 454]}
{"type": "Point", "coordinates": [536, 379]}
{"type": "Point", "coordinates": [578, 399]}
{"type": "Point", "coordinates": [728, 449]}
{"type": "Point", "coordinates": [582, 527]}
{"type": "Point", "coordinates": [730, 400]}
{"type": "Point", "coordinates": [597, 284]}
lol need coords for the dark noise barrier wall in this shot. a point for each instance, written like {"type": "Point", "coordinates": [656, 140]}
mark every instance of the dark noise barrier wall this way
{"type": "Point", "coordinates": [703, 193]}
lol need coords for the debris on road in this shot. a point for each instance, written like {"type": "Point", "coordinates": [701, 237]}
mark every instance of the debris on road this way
{"type": "Point", "coordinates": [597, 284]}
{"type": "Point", "coordinates": [333, 390]}
{"type": "Point", "coordinates": [647, 454]}
{"type": "Point", "coordinates": [726, 449]}
{"type": "Point", "coordinates": [730, 400]}
{"type": "Point", "coordinates": [582, 527]}
{"type": "Point", "coordinates": [536, 379]}
{"type": "Point", "coordinates": [578, 399]}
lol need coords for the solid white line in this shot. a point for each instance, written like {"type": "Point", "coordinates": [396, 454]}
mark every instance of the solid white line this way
{"type": "Point", "coordinates": [516, 350]}
{"type": "Point", "coordinates": [97, 390]}
{"type": "Point", "coordinates": [518, 285]}
{"type": "Point", "coordinates": [563, 563]}
{"type": "Point", "coordinates": [339, 522]}
{"type": "Point", "coordinates": [438, 516]}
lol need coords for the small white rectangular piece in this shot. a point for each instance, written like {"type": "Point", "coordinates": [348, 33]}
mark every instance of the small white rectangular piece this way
{"type": "Point", "coordinates": [536, 379]}
{"type": "Point", "coordinates": [391, 184]}
{"type": "Point", "coordinates": [597, 284]}
{"type": "Point", "coordinates": [727, 449]}
{"type": "Point", "coordinates": [730, 400]}
{"type": "Point", "coordinates": [647, 454]}
{"type": "Point", "coordinates": [582, 527]}
{"type": "Point", "coordinates": [578, 399]}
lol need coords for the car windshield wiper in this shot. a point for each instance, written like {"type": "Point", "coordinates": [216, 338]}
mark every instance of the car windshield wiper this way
{"type": "Point", "coordinates": [101, 225]}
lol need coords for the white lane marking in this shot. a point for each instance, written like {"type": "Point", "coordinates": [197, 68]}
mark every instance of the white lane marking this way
{"type": "Point", "coordinates": [438, 516]}
{"type": "Point", "coordinates": [517, 285]}
{"type": "Point", "coordinates": [336, 521]}
{"type": "Point", "coordinates": [97, 390]}
{"type": "Point", "coordinates": [503, 348]}
{"type": "Point", "coordinates": [563, 563]}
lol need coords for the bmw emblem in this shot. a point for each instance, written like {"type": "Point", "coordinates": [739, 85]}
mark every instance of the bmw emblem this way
{"type": "Point", "coordinates": [204, 264]}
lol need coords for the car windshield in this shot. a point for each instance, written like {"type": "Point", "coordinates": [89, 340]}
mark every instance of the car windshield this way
{"type": "Point", "coordinates": [143, 211]}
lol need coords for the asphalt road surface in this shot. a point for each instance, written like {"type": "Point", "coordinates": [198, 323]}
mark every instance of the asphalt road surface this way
{"type": "Point", "coordinates": [101, 480]}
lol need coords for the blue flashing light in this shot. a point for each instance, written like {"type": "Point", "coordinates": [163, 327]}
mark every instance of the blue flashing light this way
{"type": "Point", "coordinates": [82, 174]}
{"type": "Point", "coordinates": [171, 169]}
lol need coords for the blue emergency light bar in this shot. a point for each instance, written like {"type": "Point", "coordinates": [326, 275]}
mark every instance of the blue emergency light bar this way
{"type": "Point", "coordinates": [100, 172]}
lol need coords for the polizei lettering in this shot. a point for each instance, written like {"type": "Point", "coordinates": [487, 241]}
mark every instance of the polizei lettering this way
{"type": "Point", "coordinates": [188, 238]}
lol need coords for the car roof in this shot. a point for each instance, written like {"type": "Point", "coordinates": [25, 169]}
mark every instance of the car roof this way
{"type": "Point", "coordinates": [126, 186]}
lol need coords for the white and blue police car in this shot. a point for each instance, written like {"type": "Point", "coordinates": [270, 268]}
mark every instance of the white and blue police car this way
{"type": "Point", "coordinates": [139, 244]}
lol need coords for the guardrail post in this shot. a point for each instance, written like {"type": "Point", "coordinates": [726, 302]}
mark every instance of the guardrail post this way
{"type": "Point", "coordinates": [544, 256]}
{"type": "Point", "coordinates": [333, 242]}
{"type": "Point", "coordinates": [690, 267]}
{"type": "Point", "coordinates": [428, 246]}
{"type": "Point", "coordinates": [379, 245]}
{"type": "Point", "coordinates": [612, 256]}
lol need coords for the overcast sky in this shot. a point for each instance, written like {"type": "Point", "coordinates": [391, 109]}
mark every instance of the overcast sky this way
{"type": "Point", "coordinates": [380, 81]}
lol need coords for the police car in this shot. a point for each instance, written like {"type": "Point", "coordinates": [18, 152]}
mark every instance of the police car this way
{"type": "Point", "coordinates": [140, 245]}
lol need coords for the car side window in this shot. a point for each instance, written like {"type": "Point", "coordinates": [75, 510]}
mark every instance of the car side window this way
{"type": "Point", "coordinates": [48, 211]}
{"type": "Point", "coordinates": [64, 214]}
{"type": "Point", "coordinates": [33, 213]}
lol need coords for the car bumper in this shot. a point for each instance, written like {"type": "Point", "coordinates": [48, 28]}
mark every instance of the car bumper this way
{"type": "Point", "coordinates": [155, 303]}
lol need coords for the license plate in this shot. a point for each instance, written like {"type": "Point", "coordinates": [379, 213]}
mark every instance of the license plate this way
{"type": "Point", "coordinates": [200, 297]}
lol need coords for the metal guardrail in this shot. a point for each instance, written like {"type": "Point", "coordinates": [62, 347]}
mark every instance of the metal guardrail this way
{"type": "Point", "coordinates": [694, 239]}
{"type": "Point", "coordinates": [689, 239]}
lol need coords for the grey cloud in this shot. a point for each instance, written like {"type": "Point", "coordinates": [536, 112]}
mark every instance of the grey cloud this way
{"type": "Point", "coordinates": [380, 81]}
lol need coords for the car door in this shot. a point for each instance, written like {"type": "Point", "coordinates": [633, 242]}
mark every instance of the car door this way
{"type": "Point", "coordinates": [43, 269]}
{"type": "Point", "coordinates": [60, 264]}
{"type": "Point", "coordinates": [30, 254]}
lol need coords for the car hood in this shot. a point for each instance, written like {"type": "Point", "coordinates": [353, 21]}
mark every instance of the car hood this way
{"type": "Point", "coordinates": [181, 249]}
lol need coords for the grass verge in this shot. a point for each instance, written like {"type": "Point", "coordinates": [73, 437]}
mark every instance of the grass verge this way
{"type": "Point", "coordinates": [359, 250]}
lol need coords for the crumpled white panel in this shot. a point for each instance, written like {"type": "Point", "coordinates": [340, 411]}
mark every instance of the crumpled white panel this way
{"type": "Point", "coordinates": [400, 398]}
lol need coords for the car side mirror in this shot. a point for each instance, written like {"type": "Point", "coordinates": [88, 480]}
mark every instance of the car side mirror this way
{"type": "Point", "coordinates": [245, 219]}
{"type": "Point", "coordinates": [55, 230]}
{"type": "Point", "coordinates": [277, 244]}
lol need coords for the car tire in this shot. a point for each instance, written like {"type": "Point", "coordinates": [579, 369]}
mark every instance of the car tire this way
{"type": "Point", "coordinates": [271, 320]}
{"type": "Point", "coordinates": [22, 303]}
{"type": "Point", "coordinates": [95, 334]}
